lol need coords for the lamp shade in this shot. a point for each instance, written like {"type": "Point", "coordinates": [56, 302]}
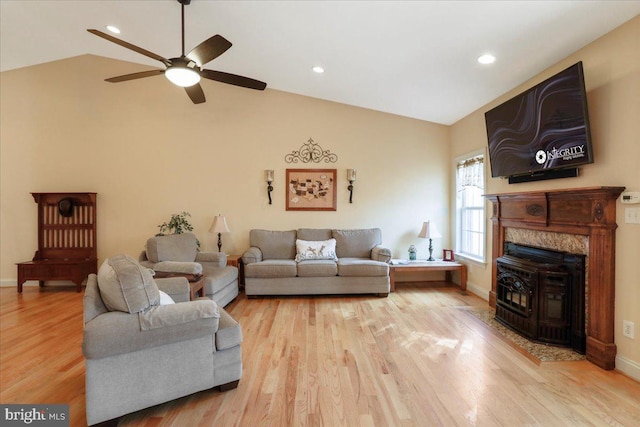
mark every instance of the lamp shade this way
{"type": "Point", "coordinates": [219, 225]}
{"type": "Point", "coordinates": [429, 231]}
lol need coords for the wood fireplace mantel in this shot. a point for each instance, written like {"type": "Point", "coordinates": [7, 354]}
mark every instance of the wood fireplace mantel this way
{"type": "Point", "coordinates": [583, 211]}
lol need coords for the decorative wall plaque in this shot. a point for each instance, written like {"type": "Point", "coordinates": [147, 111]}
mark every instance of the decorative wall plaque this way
{"type": "Point", "coordinates": [310, 152]}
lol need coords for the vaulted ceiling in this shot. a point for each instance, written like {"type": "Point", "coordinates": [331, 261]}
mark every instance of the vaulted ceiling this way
{"type": "Point", "coordinates": [411, 58]}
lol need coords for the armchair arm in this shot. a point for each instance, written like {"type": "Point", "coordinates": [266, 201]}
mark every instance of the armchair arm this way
{"type": "Point", "coordinates": [219, 259]}
{"type": "Point", "coordinates": [117, 332]}
{"type": "Point", "coordinates": [253, 254]}
{"type": "Point", "coordinates": [380, 253]}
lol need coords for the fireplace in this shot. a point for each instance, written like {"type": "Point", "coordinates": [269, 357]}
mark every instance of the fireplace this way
{"type": "Point", "coordinates": [589, 213]}
{"type": "Point", "coordinates": [540, 294]}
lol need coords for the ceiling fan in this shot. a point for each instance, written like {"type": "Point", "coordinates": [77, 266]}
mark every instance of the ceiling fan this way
{"type": "Point", "coordinates": [186, 70]}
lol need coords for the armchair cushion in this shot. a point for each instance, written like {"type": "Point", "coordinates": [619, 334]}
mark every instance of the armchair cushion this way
{"type": "Point", "coordinates": [126, 286]}
{"type": "Point", "coordinates": [172, 247]}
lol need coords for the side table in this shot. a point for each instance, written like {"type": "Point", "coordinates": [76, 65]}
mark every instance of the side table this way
{"type": "Point", "coordinates": [236, 261]}
{"type": "Point", "coordinates": [196, 288]}
{"type": "Point", "coordinates": [428, 266]}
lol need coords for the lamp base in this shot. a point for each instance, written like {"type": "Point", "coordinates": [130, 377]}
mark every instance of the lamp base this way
{"type": "Point", "coordinates": [430, 252]}
{"type": "Point", "coordinates": [219, 242]}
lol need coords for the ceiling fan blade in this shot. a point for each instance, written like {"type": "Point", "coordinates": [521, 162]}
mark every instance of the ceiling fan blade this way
{"type": "Point", "coordinates": [130, 46]}
{"type": "Point", "coordinates": [233, 79]}
{"type": "Point", "coordinates": [209, 49]}
{"type": "Point", "coordinates": [133, 76]}
{"type": "Point", "coordinates": [195, 93]}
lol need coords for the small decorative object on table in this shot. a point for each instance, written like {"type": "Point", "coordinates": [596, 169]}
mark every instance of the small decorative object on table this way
{"type": "Point", "coordinates": [447, 255]}
{"type": "Point", "coordinates": [412, 252]}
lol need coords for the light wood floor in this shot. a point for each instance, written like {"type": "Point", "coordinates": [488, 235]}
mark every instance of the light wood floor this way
{"type": "Point", "coordinates": [412, 359]}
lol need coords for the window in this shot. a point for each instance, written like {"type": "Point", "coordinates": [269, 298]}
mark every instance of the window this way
{"type": "Point", "coordinates": [470, 216]}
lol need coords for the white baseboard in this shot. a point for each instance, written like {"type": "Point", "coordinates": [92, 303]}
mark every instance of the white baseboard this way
{"type": "Point", "coordinates": [629, 367]}
{"type": "Point", "coordinates": [478, 291]}
{"type": "Point", "coordinates": [13, 283]}
{"type": "Point", "coordinates": [5, 283]}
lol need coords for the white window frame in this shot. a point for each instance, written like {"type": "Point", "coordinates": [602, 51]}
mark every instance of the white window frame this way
{"type": "Point", "coordinates": [457, 217]}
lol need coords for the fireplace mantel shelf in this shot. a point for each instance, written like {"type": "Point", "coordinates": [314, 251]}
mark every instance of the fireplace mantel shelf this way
{"type": "Point", "coordinates": [585, 211]}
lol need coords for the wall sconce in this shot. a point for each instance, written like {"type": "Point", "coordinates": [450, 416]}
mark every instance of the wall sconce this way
{"type": "Point", "coordinates": [268, 176]}
{"type": "Point", "coordinates": [351, 177]}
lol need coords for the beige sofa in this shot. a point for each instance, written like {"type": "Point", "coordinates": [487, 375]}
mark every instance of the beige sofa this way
{"type": "Point", "coordinates": [316, 262]}
{"type": "Point", "coordinates": [140, 353]}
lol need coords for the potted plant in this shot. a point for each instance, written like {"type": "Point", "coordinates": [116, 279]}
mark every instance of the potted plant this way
{"type": "Point", "coordinates": [177, 224]}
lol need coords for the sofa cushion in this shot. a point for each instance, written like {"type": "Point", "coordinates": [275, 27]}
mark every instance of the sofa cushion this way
{"type": "Point", "coordinates": [172, 247]}
{"type": "Point", "coordinates": [274, 244]}
{"type": "Point", "coordinates": [271, 268]}
{"type": "Point", "coordinates": [127, 286]}
{"type": "Point", "coordinates": [314, 233]}
{"type": "Point", "coordinates": [356, 243]}
{"type": "Point", "coordinates": [355, 267]}
{"type": "Point", "coordinates": [317, 268]}
{"type": "Point", "coordinates": [320, 249]}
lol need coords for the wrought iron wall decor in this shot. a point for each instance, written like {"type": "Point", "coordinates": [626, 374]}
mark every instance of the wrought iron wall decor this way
{"type": "Point", "coordinates": [311, 152]}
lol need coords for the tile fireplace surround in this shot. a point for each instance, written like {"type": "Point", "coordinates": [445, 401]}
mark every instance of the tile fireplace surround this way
{"type": "Point", "coordinates": [588, 216]}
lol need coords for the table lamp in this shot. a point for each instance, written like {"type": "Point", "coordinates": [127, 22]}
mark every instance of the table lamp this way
{"type": "Point", "coordinates": [219, 226]}
{"type": "Point", "coordinates": [429, 231]}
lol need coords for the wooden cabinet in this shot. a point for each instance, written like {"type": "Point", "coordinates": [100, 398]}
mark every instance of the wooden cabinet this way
{"type": "Point", "coordinates": [66, 239]}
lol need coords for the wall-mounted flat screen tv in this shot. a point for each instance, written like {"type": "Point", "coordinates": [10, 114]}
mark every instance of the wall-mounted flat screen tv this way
{"type": "Point", "coordinates": [543, 129]}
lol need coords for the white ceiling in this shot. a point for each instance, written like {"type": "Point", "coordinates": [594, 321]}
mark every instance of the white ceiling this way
{"type": "Point", "coordinates": [411, 58]}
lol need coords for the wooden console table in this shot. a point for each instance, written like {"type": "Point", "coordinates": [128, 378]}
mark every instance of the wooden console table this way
{"type": "Point", "coordinates": [430, 266]}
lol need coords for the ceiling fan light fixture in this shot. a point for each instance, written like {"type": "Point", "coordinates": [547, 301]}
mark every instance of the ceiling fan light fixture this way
{"type": "Point", "coordinates": [113, 29]}
{"type": "Point", "coordinates": [181, 75]}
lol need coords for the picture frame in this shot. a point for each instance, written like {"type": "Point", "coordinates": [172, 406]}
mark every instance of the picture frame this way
{"type": "Point", "coordinates": [448, 255]}
{"type": "Point", "coordinates": [311, 190]}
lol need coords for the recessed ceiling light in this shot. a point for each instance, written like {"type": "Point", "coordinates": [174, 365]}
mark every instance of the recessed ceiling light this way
{"type": "Point", "coordinates": [113, 29]}
{"type": "Point", "coordinates": [487, 59]}
{"type": "Point", "coordinates": [318, 69]}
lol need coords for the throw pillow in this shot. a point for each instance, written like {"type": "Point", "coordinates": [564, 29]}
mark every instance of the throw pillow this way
{"type": "Point", "coordinates": [126, 286]}
{"type": "Point", "coordinates": [321, 249]}
{"type": "Point", "coordinates": [165, 298]}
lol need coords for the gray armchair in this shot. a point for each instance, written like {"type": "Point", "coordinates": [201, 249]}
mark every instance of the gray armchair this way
{"type": "Point", "coordinates": [140, 353]}
{"type": "Point", "coordinates": [178, 254]}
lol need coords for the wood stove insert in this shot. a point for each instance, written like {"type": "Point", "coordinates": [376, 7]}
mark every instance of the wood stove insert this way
{"type": "Point", "coordinates": [541, 294]}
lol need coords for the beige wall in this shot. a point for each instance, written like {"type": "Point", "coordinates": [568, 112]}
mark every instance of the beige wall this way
{"type": "Point", "coordinates": [149, 152]}
{"type": "Point", "coordinates": [612, 79]}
